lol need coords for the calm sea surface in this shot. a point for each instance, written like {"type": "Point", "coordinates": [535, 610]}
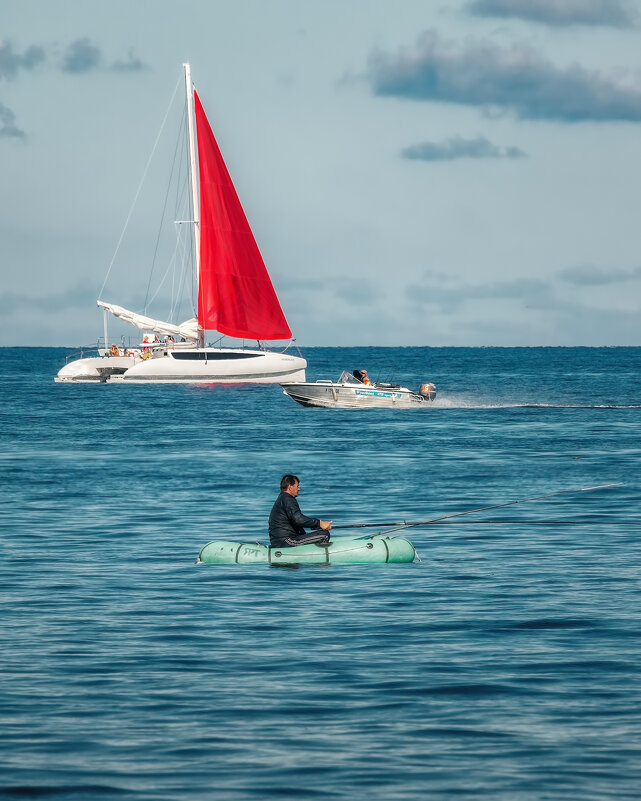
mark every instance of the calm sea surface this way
{"type": "Point", "coordinates": [505, 665]}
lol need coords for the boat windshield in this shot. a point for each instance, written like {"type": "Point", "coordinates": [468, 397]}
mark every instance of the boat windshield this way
{"type": "Point", "coordinates": [348, 378]}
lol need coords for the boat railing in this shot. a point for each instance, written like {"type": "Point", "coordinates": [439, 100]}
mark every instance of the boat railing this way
{"type": "Point", "coordinates": [289, 344]}
{"type": "Point", "coordinates": [80, 353]}
{"type": "Point", "coordinates": [260, 345]}
{"type": "Point", "coordinates": [102, 349]}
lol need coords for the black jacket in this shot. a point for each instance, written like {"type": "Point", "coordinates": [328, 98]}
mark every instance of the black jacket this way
{"type": "Point", "coordinates": [287, 520]}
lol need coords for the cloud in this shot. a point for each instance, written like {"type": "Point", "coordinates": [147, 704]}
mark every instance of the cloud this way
{"type": "Point", "coordinates": [131, 64]}
{"type": "Point", "coordinates": [457, 148]}
{"type": "Point", "coordinates": [79, 297]}
{"type": "Point", "coordinates": [588, 275]}
{"type": "Point", "coordinates": [612, 13]}
{"type": "Point", "coordinates": [11, 61]}
{"type": "Point", "coordinates": [294, 283]}
{"type": "Point", "coordinates": [81, 56]}
{"type": "Point", "coordinates": [356, 292]}
{"type": "Point", "coordinates": [524, 310]}
{"type": "Point", "coordinates": [517, 79]}
{"type": "Point", "coordinates": [8, 127]}
{"type": "Point", "coordinates": [531, 293]}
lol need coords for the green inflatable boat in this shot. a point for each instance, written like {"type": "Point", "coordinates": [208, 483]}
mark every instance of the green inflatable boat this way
{"type": "Point", "coordinates": [339, 551]}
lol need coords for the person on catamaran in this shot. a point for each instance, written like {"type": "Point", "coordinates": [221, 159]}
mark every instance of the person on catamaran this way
{"type": "Point", "coordinates": [287, 523]}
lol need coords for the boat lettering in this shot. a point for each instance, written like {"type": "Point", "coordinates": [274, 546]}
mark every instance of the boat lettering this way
{"type": "Point", "coordinates": [251, 551]}
{"type": "Point", "coordinates": [372, 393]}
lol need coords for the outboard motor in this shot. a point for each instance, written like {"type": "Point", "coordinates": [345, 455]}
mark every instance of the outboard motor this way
{"type": "Point", "coordinates": [428, 391]}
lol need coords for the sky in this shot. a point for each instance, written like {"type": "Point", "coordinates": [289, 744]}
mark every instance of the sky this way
{"type": "Point", "coordinates": [415, 172]}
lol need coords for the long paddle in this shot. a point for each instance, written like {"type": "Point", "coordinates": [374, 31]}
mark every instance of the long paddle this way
{"type": "Point", "coordinates": [397, 526]}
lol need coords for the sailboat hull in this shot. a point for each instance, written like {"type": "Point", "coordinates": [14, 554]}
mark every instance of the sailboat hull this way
{"type": "Point", "coordinates": [189, 366]}
{"type": "Point", "coordinates": [95, 369]}
{"type": "Point", "coordinates": [217, 365]}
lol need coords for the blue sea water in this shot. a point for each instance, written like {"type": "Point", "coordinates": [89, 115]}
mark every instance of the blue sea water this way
{"type": "Point", "coordinates": [504, 665]}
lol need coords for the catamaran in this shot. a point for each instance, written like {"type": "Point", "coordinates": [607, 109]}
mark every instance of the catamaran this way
{"type": "Point", "coordinates": [235, 294]}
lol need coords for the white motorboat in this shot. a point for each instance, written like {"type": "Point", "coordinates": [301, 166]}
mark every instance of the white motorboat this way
{"type": "Point", "coordinates": [235, 294]}
{"type": "Point", "coordinates": [349, 392]}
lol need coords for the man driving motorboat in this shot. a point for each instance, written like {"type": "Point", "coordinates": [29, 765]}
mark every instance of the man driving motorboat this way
{"type": "Point", "coordinates": [362, 376]}
{"type": "Point", "coordinates": [287, 523]}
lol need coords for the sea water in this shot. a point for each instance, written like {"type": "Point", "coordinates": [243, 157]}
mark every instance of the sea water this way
{"type": "Point", "coordinates": [504, 665]}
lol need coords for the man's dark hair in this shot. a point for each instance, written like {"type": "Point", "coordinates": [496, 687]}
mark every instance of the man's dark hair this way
{"type": "Point", "coordinates": [288, 481]}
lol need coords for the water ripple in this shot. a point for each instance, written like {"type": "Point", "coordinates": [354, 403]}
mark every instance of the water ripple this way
{"type": "Point", "coordinates": [503, 666]}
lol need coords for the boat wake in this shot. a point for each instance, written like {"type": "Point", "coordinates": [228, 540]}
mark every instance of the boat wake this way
{"type": "Point", "coordinates": [462, 403]}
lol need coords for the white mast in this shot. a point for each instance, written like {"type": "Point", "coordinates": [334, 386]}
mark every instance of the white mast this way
{"type": "Point", "coordinates": [104, 323]}
{"type": "Point", "coordinates": [195, 201]}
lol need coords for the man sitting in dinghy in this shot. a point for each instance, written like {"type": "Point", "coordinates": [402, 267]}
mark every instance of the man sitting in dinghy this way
{"type": "Point", "coordinates": [287, 523]}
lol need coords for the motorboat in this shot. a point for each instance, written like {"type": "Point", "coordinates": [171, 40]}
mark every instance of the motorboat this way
{"type": "Point", "coordinates": [235, 296]}
{"type": "Point", "coordinates": [350, 392]}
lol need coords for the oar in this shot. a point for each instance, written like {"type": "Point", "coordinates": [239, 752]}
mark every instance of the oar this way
{"type": "Point", "coordinates": [402, 525]}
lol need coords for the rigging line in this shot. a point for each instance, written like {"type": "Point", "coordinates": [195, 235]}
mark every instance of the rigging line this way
{"type": "Point", "coordinates": [176, 265]}
{"type": "Point", "coordinates": [180, 288]}
{"type": "Point", "coordinates": [188, 284]}
{"type": "Point", "coordinates": [185, 285]}
{"type": "Point", "coordinates": [183, 202]}
{"type": "Point", "coordinates": [170, 264]}
{"type": "Point", "coordinates": [401, 525]}
{"type": "Point", "coordinates": [142, 180]}
{"type": "Point", "coordinates": [164, 211]}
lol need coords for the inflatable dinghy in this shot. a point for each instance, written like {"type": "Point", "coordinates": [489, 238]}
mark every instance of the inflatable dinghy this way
{"type": "Point", "coordinates": [342, 550]}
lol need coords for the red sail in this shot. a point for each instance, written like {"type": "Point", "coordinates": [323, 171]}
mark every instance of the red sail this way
{"type": "Point", "coordinates": [235, 294]}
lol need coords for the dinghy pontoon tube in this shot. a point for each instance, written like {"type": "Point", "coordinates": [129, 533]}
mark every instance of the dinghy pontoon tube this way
{"type": "Point", "coordinates": [342, 550]}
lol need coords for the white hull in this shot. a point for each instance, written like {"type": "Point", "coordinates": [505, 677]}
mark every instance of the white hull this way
{"type": "Point", "coordinates": [95, 369]}
{"type": "Point", "coordinates": [338, 395]}
{"type": "Point", "coordinates": [189, 366]}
